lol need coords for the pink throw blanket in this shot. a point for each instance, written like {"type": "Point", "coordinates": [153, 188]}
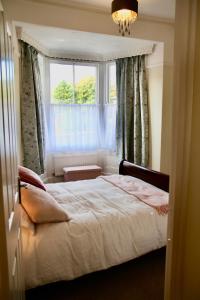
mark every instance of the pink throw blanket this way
{"type": "Point", "coordinates": [142, 190]}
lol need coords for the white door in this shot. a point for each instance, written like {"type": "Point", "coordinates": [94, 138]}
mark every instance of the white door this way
{"type": "Point", "coordinates": [11, 273]}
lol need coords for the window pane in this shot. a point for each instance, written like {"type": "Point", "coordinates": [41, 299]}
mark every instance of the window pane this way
{"type": "Point", "coordinates": [112, 84]}
{"type": "Point", "coordinates": [82, 124]}
{"type": "Point", "coordinates": [61, 84]}
{"type": "Point", "coordinates": [85, 84]}
{"type": "Point", "coordinates": [110, 126]}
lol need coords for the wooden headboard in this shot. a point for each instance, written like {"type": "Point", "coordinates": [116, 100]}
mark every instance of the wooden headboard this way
{"type": "Point", "coordinates": [158, 179]}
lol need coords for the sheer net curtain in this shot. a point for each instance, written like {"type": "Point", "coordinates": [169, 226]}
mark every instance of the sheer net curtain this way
{"type": "Point", "coordinates": [81, 128]}
{"type": "Point", "coordinates": [74, 127]}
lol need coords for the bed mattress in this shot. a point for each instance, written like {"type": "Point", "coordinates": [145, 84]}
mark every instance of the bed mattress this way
{"type": "Point", "coordinates": [108, 227]}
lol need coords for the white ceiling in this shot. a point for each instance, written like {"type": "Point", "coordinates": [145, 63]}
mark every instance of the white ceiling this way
{"type": "Point", "coordinates": [153, 8]}
{"type": "Point", "coordinates": [76, 44]}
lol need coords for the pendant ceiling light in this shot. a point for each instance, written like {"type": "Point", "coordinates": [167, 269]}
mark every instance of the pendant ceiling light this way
{"type": "Point", "coordinates": [124, 13]}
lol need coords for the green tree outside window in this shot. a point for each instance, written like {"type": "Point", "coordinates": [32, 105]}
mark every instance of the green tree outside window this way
{"type": "Point", "coordinates": [63, 93]}
{"type": "Point", "coordinates": [84, 92]}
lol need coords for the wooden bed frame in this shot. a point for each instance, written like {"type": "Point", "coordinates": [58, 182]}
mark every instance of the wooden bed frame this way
{"type": "Point", "coordinates": [155, 178]}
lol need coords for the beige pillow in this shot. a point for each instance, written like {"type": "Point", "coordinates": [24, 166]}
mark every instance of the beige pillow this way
{"type": "Point", "coordinates": [41, 206]}
{"type": "Point", "coordinates": [26, 222]}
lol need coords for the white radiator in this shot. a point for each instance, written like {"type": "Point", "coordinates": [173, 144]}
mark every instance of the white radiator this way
{"type": "Point", "coordinates": [67, 160]}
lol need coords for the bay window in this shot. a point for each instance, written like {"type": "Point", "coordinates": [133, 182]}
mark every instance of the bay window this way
{"type": "Point", "coordinates": [82, 106]}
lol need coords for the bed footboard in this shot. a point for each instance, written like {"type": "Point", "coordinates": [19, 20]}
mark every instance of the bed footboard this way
{"type": "Point", "coordinates": [158, 179]}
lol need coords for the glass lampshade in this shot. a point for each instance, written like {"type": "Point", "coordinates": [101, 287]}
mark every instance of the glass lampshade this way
{"type": "Point", "coordinates": [124, 15]}
{"type": "Point", "coordinates": [124, 12]}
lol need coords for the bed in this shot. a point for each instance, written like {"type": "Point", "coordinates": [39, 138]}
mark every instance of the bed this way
{"type": "Point", "coordinates": [108, 226]}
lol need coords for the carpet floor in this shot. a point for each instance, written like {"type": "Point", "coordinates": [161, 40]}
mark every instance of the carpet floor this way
{"type": "Point", "coordinates": [139, 279]}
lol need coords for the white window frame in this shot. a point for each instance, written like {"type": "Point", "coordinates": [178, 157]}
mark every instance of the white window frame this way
{"type": "Point", "coordinates": [108, 65]}
{"type": "Point", "coordinates": [74, 63]}
{"type": "Point", "coordinates": [102, 85]}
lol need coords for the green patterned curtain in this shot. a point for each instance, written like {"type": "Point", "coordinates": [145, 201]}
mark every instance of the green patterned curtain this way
{"type": "Point", "coordinates": [132, 131]}
{"type": "Point", "coordinates": [32, 117]}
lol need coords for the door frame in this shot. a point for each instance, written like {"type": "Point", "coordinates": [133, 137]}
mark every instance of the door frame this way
{"type": "Point", "coordinates": [187, 13]}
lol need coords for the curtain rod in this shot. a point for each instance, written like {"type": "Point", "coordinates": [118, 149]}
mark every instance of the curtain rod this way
{"type": "Point", "coordinates": [65, 58]}
{"type": "Point", "coordinates": [42, 52]}
{"type": "Point", "coordinates": [78, 59]}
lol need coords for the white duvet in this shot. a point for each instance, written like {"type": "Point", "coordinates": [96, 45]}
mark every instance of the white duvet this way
{"type": "Point", "coordinates": [107, 227]}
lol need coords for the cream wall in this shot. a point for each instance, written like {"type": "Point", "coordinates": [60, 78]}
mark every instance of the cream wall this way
{"type": "Point", "coordinates": [166, 139]}
{"type": "Point", "coordinates": [155, 87]}
{"type": "Point", "coordinates": [160, 80]}
{"type": "Point", "coordinates": [154, 64]}
{"type": "Point", "coordinates": [66, 17]}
